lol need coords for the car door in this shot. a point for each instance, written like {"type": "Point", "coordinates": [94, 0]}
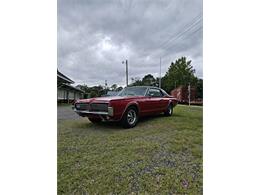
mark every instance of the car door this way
{"type": "Point", "coordinates": [164, 102]}
{"type": "Point", "coordinates": [155, 100]}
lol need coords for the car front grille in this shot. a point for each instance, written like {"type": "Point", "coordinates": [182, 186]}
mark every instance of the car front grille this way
{"type": "Point", "coordinates": [101, 107]}
{"type": "Point", "coordinates": [82, 106]}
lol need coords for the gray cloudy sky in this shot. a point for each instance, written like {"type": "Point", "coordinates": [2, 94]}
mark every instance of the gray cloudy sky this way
{"type": "Point", "coordinates": [95, 36]}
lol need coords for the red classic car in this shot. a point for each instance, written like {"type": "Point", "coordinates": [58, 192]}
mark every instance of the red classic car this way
{"type": "Point", "coordinates": [130, 104]}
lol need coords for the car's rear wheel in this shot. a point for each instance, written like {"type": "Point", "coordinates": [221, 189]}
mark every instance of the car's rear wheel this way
{"type": "Point", "coordinates": [169, 110]}
{"type": "Point", "coordinates": [95, 120]}
{"type": "Point", "coordinates": [130, 117]}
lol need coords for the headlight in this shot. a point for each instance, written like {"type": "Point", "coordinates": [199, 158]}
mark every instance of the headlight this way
{"type": "Point", "coordinates": [77, 106]}
{"type": "Point", "coordinates": [110, 111]}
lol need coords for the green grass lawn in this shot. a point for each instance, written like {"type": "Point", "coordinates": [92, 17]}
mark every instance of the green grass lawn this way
{"type": "Point", "coordinates": [161, 155]}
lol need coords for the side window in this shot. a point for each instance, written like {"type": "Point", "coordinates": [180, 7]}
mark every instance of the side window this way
{"type": "Point", "coordinates": [164, 93]}
{"type": "Point", "coordinates": [154, 93]}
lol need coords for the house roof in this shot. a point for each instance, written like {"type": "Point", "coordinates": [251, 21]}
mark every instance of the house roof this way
{"type": "Point", "coordinates": [64, 78]}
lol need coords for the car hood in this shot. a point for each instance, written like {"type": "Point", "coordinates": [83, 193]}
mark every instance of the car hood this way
{"type": "Point", "coordinates": [105, 99]}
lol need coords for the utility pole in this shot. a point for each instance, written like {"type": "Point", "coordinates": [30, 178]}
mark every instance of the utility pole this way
{"type": "Point", "coordinates": [160, 78]}
{"type": "Point", "coordinates": [126, 71]}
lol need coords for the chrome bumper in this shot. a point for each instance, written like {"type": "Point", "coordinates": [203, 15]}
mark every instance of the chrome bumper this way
{"type": "Point", "coordinates": [90, 112]}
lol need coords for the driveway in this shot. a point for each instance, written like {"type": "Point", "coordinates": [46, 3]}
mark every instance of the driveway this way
{"type": "Point", "coordinates": [65, 112]}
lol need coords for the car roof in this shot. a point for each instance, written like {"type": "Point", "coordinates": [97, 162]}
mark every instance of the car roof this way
{"type": "Point", "coordinates": [144, 87]}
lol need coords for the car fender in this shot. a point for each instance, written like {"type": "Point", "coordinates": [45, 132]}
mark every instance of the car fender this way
{"type": "Point", "coordinates": [172, 101]}
{"type": "Point", "coordinates": [128, 105]}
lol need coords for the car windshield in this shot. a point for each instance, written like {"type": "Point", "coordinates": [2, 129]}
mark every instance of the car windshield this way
{"type": "Point", "coordinates": [133, 91]}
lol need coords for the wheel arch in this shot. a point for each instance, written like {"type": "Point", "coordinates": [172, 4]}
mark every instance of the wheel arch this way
{"type": "Point", "coordinates": [131, 104]}
{"type": "Point", "coordinates": [170, 103]}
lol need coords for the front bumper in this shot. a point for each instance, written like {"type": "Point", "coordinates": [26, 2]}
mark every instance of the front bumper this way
{"type": "Point", "coordinates": [90, 112]}
{"type": "Point", "coordinates": [96, 114]}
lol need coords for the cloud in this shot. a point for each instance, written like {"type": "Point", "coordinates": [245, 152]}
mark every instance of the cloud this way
{"type": "Point", "coordinates": [95, 36]}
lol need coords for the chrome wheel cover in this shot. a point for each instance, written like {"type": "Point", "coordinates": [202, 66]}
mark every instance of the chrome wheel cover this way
{"type": "Point", "coordinates": [131, 117]}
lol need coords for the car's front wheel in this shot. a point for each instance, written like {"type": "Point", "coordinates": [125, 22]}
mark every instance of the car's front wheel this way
{"type": "Point", "coordinates": [169, 110]}
{"type": "Point", "coordinates": [130, 118]}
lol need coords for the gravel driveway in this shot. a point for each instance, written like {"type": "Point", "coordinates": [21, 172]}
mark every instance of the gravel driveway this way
{"type": "Point", "coordinates": [65, 112]}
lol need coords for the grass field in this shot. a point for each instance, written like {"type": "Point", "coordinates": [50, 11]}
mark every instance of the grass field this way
{"type": "Point", "coordinates": [161, 155]}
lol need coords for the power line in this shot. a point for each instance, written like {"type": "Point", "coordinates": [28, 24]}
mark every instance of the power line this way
{"type": "Point", "coordinates": [183, 32]}
{"type": "Point", "coordinates": [191, 23]}
{"type": "Point", "coordinates": [182, 35]}
{"type": "Point", "coordinates": [188, 26]}
{"type": "Point", "coordinates": [192, 33]}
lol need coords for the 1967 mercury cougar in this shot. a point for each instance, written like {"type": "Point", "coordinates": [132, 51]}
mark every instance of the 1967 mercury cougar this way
{"type": "Point", "coordinates": [130, 104]}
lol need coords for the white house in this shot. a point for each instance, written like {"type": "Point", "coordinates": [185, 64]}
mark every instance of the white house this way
{"type": "Point", "coordinates": [65, 91]}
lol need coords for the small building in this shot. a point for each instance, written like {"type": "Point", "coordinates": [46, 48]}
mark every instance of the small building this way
{"type": "Point", "coordinates": [66, 93]}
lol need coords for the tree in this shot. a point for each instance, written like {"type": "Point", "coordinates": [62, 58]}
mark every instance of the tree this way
{"type": "Point", "coordinates": [113, 87]}
{"type": "Point", "coordinates": [95, 91]}
{"type": "Point", "coordinates": [119, 88]}
{"type": "Point", "coordinates": [136, 82]}
{"type": "Point", "coordinates": [199, 89]}
{"type": "Point", "coordinates": [179, 73]}
{"type": "Point", "coordinates": [98, 90]}
{"type": "Point", "coordinates": [83, 87]}
{"type": "Point", "coordinates": [93, 94]}
{"type": "Point", "coordinates": [149, 80]}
